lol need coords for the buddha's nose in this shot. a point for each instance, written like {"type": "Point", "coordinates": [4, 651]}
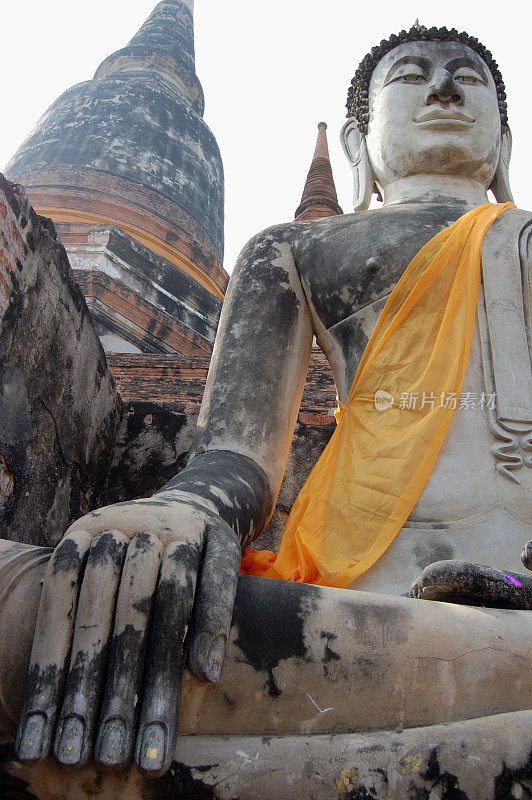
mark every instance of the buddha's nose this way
{"type": "Point", "coordinates": [444, 89]}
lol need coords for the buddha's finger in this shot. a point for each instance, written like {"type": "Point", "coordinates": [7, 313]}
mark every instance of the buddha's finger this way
{"type": "Point", "coordinates": [157, 734]}
{"type": "Point", "coordinates": [215, 597]}
{"type": "Point", "coordinates": [90, 648]}
{"type": "Point", "coordinates": [114, 743]}
{"type": "Point", "coordinates": [51, 646]}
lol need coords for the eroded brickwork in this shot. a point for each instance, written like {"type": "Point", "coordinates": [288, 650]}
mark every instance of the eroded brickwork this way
{"type": "Point", "coordinates": [179, 379]}
{"type": "Point", "coordinates": [58, 406]}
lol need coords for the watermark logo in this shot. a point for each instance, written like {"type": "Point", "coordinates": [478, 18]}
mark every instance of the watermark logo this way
{"type": "Point", "coordinates": [383, 400]}
{"type": "Point", "coordinates": [447, 400]}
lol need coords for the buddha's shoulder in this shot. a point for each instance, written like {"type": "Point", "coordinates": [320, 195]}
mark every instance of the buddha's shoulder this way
{"type": "Point", "coordinates": [511, 230]}
{"type": "Point", "coordinates": [383, 230]}
{"type": "Point", "coordinates": [395, 222]}
{"type": "Point", "coordinates": [515, 220]}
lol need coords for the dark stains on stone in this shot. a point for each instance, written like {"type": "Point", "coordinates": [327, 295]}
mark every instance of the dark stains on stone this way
{"type": "Point", "coordinates": [42, 684]}
{"type": "Point", "coordinates": [447, 783]}
{"type": "Point", "coordinates": [359, 792]}
{"type": "Point", "coordinates": [473, 584]}
{"type": "Point", "coordinates": [431, 549]}
{"type": "Point", "coordinates": [329, 653]}
{"type": "Point", "coordinates": [172, 613]}
{"type": "Point", "coordinates": [86, 680]}
{"type": "Point", "coordinates": [239, 478]}
{"type": "Point", "coordinates": [183, 297]}
{"type": "Point", "coordinates": [178, 783]}
{"type": "Point", "coordinates": [67, 558]}
{"type": "Point", "coordinates": [58, 414]}
{"type": "Point", "coordinates": [30, 239]}
{"type": "Point", "coordinates": [379, 770]}
{"type": "Point", "coordinates": [16, 424]}
{"type": "Point", "coordinates": [142, 606]}
{"type": "Point", "coordinates": [131, 124]}
{"type": "Point", "coordinates": [390, 624]}
{"type": "Point", "coordinates": [215, 594]}
{"type": "Point", "coordinates": [511, 779]}
{"type": "Point", "coordinates": [128, 645]}
{"type": "Point", "coordinates": [264, 295]}
{"type": "Point", "coordinates": [344, 285]}
{"type": "Point", "coordinates": [273, 689]}
{"type": "Point", "coordinates": [11, 787]}
{"type": "Point", "coordinates": [146, 456]}
{"type": "Point", "coordinates": [269, 619]}
{"type": "Point", "coordinates": [105, 549]}
{"type": "Point", "coordinates": [143, 542]}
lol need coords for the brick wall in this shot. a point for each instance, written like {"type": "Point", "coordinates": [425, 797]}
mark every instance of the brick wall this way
{"type": "Point", "coordinates": [181, 379]}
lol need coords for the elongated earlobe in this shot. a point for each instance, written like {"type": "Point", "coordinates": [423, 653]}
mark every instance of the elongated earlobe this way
{"type": "Point", "coordinates": [354, 146]}
{"type": "Point", "coordinates": [500, 185]}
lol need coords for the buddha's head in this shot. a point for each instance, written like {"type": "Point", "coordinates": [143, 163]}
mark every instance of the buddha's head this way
{"type": "Point", "coordinates": [427, 102]}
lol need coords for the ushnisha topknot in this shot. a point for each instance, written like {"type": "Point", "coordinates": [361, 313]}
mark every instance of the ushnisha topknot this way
{"type": "Point", "coordinates": [358, 95]}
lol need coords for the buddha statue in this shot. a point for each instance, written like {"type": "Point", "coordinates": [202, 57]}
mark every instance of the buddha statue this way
{"type": "Point", "coordinates": [132, 586]}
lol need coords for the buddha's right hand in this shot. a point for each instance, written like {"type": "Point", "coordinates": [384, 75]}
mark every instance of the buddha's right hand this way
{"type": "Point", "coordinates": [109, 645]}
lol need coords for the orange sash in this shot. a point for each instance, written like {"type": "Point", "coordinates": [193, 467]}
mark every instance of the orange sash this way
{"type": "Point", "coordinates": [376, 464]}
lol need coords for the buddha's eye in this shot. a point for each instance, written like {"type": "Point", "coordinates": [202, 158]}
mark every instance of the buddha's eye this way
{"type": "Point", "coordinates": [468, 78]}
{"type": "Point", "coordinates": [410, 77]}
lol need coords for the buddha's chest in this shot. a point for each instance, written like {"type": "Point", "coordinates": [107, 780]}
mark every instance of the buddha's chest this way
{"type": "Point", "coordinates": [356, 267]}
{"type": "Point", "coordinates": [468, 481]}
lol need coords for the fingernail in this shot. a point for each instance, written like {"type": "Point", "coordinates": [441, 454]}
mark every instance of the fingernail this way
{"type": "Point", "coordinates": [31, 738]}
{"type": "Point", "coordinates": [71, 742]}
{"type": "Point", "coordinates": [215, 659]}
{"type": "Point", "coordinates": [152, 753]}
{"type": "Point", "coordinates": [111, 744]}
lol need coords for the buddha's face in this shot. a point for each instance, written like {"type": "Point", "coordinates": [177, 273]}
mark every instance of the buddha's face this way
{"type": "Point", "coordinates": [433, 110]}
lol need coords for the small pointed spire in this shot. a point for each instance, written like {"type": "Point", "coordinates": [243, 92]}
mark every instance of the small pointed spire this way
{"type": "Point", "coordinates": [319, 195]}
{"type": "Point", "coordinates": [165, 44]}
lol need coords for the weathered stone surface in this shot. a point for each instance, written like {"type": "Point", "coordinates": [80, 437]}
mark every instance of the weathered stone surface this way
{"type": "Point", "coordinates": [58, 405]}
{"type": "Point", "coordinates": [485, 759]}
{"type": "Point", "coordinates": [303, 659]}
{"type": "Point", "coordinates": [175, 378]}
{"type": "Point", "coordinates": [474, 584]}
{"type": "Point", "coordinates": [180, 313]}
{"type": "Point", "coordinates": [140, 158]}
{"type": "Point", "coordinates": [138, 119]}
{"type": "Point", "coordinates": [307, 445]}
{"type": "Point", "coordinates": [322, 695]}
{"type": "Point", "coordinates": [152, 445]}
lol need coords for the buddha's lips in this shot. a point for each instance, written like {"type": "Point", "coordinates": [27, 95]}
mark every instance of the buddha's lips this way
{"type": "Point", "coordinates": [441, 114]}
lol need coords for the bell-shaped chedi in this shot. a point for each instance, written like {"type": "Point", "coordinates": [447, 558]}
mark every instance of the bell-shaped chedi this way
{"type": "Point", "coordinates": [319, 195]}
{"type": "Point", "coordinates": [132, 176]}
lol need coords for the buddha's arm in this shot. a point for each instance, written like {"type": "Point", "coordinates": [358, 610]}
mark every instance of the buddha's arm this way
{"type": "Point", "coordinates": [253, 390]}
{"type": "Point", "coordinates": [139, 568]}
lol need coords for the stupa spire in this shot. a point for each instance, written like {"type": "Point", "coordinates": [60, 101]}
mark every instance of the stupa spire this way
{"type": "Point", "coordinates": [319, 195]}
{"type": "Point", "coordinates": [164, 43]}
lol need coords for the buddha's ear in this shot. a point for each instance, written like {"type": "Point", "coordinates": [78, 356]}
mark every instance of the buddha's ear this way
{"type": "Point", "coordinates": [500, 185]}
{"type": "Point", "coordinates": [354, 145]}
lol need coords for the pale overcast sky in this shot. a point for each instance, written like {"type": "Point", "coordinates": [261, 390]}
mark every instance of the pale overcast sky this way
{"type": "Point", "coordinates": [270, 72]}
